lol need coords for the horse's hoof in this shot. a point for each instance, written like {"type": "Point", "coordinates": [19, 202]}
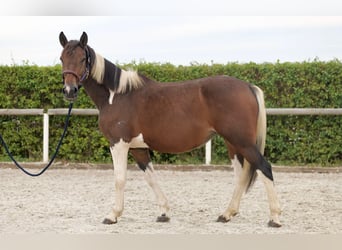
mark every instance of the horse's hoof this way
{"type": "Point", "coordinates": [272, 223]}
{"type": "Point", "coordinates": [109, 221]}
{"type": "Point", "coordinates": [222, 219]}
{"type": "Point", "coordinates": [163, 218]}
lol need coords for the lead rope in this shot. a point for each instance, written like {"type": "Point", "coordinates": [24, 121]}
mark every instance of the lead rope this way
{"type": "Point", "coordinates": [54, 155]}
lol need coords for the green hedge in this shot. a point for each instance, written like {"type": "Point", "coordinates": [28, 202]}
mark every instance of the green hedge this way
{"type": "Point", "coordinates": [290, 139]}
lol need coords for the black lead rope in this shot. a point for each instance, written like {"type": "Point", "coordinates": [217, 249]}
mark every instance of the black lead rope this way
{"type": "Point", "coordinates": [54, 155]}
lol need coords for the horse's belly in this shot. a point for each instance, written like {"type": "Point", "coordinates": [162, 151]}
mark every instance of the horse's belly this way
{"type": "Point", "coordinates": [169, 142]}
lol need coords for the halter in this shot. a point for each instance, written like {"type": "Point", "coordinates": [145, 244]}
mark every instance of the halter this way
{"type": "Point", "coordinates": [85, 75]}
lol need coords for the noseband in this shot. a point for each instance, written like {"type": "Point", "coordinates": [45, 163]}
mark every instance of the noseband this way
{"type": "Point", "coordinates": [80, 79]}
{"type": "Point", "coordinates": [85, 75]}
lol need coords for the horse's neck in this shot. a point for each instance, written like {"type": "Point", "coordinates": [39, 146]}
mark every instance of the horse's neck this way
{"type": "Point", "coordinates": [100, 94]}
{"type": "Point", "coordinates": [97, 92]}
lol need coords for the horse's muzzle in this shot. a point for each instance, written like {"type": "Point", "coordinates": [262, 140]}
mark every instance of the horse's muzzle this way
{"type": "Point", "coordinates": [70, 92]}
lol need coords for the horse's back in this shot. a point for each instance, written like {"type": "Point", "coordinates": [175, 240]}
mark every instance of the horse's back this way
{"type": "Point", "coordinates": [225, 95]}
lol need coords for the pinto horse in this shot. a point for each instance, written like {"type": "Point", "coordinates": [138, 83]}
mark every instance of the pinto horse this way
{"type": "Point", "coordinates": [137, 114]}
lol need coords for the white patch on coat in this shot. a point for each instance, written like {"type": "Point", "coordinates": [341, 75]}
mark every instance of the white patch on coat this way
{"type": "Point", "coordinates": [111, 96]}
{"type": "Point", "coordinates": [138, 142]}
{"type": "Point", "coordinates": [67, 89]}
{"type": "Point", "coordinates": [119, 154]}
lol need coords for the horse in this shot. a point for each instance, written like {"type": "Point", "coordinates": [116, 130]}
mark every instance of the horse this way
{"type": "Point", "coordinates": [139, 115]}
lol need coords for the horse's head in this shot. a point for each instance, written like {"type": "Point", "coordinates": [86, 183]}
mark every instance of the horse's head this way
{"type": "Point", "coordinates": [75, 60]}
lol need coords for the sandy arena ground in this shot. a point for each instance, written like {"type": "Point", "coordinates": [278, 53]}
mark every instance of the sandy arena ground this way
{"type": "Point", "coordinates": [77, 200]}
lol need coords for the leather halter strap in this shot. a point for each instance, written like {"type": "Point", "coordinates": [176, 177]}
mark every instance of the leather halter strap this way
{"type": "Point", "coordinates": [79, 78]}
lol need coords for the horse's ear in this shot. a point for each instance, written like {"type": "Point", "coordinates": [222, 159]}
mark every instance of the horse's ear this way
{"type": "Point", "coordinates": [62, 39]}
{"type": "Point", "coordinates": [84, 40]}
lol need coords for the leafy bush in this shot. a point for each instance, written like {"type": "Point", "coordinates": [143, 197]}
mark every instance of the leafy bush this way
{"type": "Point", "coordinates": [290, 139]}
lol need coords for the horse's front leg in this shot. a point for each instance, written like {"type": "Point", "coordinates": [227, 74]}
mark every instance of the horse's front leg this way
{"type": "Point", "coordinates": [151, 179]}
{"type": "Point", "coordinates": [119, 153]}
{"type": "Point", "coordinates": [143, 159]}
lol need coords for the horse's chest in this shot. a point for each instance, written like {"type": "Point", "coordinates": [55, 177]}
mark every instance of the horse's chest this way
{"type": "Point", "coordinates": [121, 128]}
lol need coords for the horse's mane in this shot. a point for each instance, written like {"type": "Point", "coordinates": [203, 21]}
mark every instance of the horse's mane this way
{"type": "Point", "coordinates": [121, 81]}
{"type": "Point", "coordinates": [129, 80]}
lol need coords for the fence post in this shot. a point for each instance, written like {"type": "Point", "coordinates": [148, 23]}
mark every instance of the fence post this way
{"type": "Point", "coordinates": [45, 137]}
{"type": "Point", "coordinates": [208, 153]}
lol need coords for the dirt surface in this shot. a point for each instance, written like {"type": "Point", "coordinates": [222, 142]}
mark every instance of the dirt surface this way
{"type": "Point", "coordinates": [77, 200]}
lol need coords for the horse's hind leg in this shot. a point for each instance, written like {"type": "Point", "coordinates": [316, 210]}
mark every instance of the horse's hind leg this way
{"type": "Point", "coordinates": [142, 157]}
{"type": "Point", "coordinates": [273, 201]}
{"type": "Point", "coordinates": [255, 163]}
{"type": "Point", "coordinates": [241, 175]}
{"type": "Point", "coordinates": [264, 170]}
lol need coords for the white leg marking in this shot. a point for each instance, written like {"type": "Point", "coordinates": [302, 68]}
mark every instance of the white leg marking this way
{"type": "Point", "coordinates": [151, 179]}
{"type": "Point", "coordinates": [272, 198]}
{"type": "Point", "coordinates": [241, 182]}
{"type": "Point", "coordinates": [237, 169]}
{"type": "Point", "coordinates": [119, 154]}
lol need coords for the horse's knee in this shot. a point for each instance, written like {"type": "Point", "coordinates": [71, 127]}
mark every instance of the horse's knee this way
{"type": "Point", "coordinates": [120, 182]}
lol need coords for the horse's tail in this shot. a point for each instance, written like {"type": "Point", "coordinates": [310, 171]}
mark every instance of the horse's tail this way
{"type": "Point", "coordinates": [261, 125]}
{"type": "Point", "coordinates": [261, 130]}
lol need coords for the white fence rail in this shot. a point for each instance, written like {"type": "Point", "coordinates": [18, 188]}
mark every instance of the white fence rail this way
{"type": "Point", "coordinates": [87, 112]}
